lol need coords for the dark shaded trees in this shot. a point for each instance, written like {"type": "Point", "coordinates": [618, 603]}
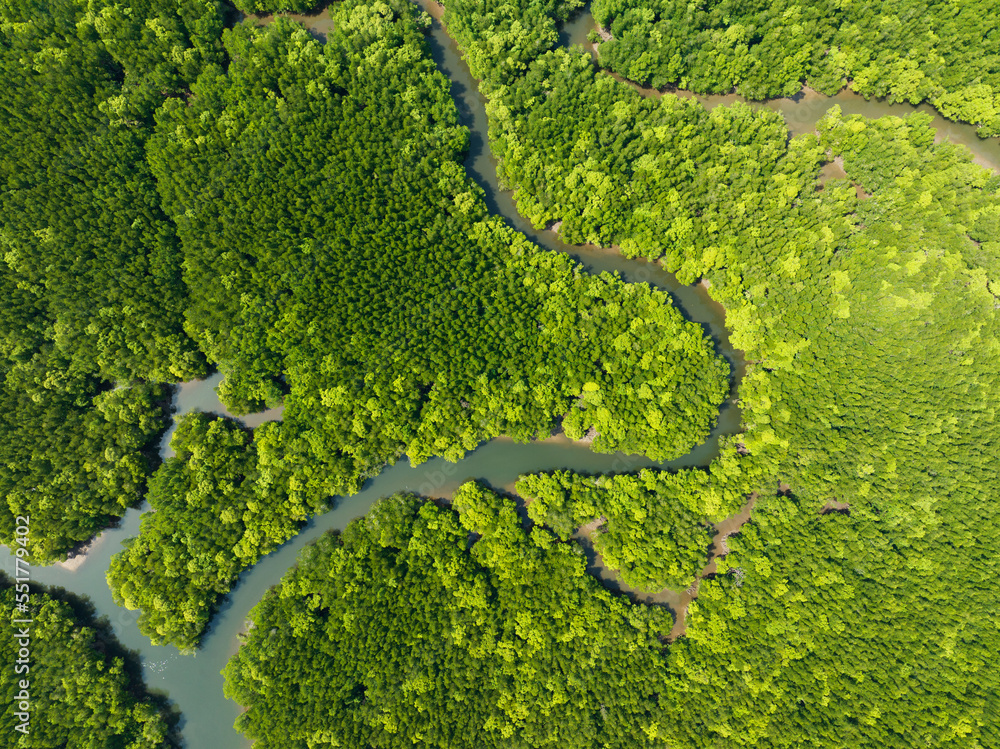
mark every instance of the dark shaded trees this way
{"type": "Point", "coordinates": [82, 693]}
{"type": "Point", "coordinates": [93, 298]}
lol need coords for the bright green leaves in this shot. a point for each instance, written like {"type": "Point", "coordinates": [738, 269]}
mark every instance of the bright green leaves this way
{"type": "Point", "coordinates": [399, 631]}
{"type": "Point", "coordinates": [655, 527]}
{"type": "Point", "coordinates": [211, 521]}
{"type": "Point", "coordinates": [369, 287]}
{"type": "Point", "coordinates": [89, 237]}
{"type": "Point", "coordinates": [663, 176]}
{"type": "Point", "coordinates": [72, 461]}
{"type": "Point", "coordinates": [500, 40]}
{"type": "Point", "coordinates": [414, 324]}
{"type": "Point", "coordinates": [276, 6]}
{"type": "Point", "coordinates": [866, 308]}
{"type": "Point", "coordinates": [902, 51]}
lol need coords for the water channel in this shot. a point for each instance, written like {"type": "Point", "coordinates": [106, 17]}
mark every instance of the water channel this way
{"type": "Point", "coordinates": [802, 111]}
{"type": "Point", "coordinates": [194, 683]}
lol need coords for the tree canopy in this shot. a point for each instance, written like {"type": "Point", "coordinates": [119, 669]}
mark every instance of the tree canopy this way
{"type": "Point", "coordinates": [907, 50]}
{"type": "Point", "coordinates": [654, 527]}
{"type": "Point", "coordinates": [369, 289]}
{"type": "Point", "coordinates": [500, 39]}
{"type": "Point", "coordinates": [82, 692]}
{"type": "Point", "coordinates": [297, 214]}
{"type": "Point", "coordinates": [212, 518]}
{"type": "Point", "coordinates": [451, 627]}
{"type": "Point", "coordinates": [854, 608]}
{"type": "Point", "coordinates": [90, 268]}
{"type": "Point", "coordinates": [372, 285]}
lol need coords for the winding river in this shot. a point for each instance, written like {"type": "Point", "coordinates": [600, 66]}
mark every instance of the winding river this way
{"type": "Point", "coordinates": [194, 683]}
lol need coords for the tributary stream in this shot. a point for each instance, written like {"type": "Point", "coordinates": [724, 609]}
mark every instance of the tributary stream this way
{"type": "Point", "coordinates": [193, 682]}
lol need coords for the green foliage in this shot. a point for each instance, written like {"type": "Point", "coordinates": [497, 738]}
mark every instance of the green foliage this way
{"type": "Point", "coordinates": [81, 695]}
{"type": "Point", "coordinates": [655, 527]}
{"type": "Point", "coordinates": [252, 7]}
{"type": "Point", "coordinates": [862, 630]}
{"type": "Point", "coordinates": [615, 168]}
{"type": "Point", "coordinates": [762, 49]}
{"type": "Point", "coordinates": [500, 39]}
{"type": "Point", "coordinates": [209, 523]}
{"type": "Point", "coordinates": [867, 309]}
{"type": "Point", "coordinates": [905, 51]}
{"type": "Point", "coordinates": [879, 351]}
{"type": "Point", "coordinates": [73, 460]}
{"type": "Point", "coordinates": [80, 224]}
{"type": "Point", "coordinates": [90, 278]}
{"type": "Point", "coordinates": [370, 282]}
{"type": "Point", "coordinates": [338, 257]}
{"type": "Point", "coordinates": [399, 316]}
{"type": "Point", "coordinates": [400, 632]}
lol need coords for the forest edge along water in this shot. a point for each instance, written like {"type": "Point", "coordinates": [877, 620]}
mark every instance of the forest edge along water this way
{"type": "Point", "coordinates": [194, 683]}
{"type": "Point", "coordinates": [802, 111]}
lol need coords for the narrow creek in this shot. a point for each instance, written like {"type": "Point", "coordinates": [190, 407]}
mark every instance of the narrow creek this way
{"type": "Point", "coordinates": [804, 110]}
{"type": "Point", "coordinates": [194, 683]}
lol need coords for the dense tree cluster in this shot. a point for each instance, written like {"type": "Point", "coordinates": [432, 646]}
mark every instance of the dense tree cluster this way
{"type": "Point", "coordinates": [855, 608]}
{"type": "Point", "coordinates": [211, 520]}
{"type": "Point", "coordinates": [616, 168]}
{"type": "Point", "coordinates": [656, 527]}
{"type": "Point", "coordinates": [884, 406]}
{"type": "Point", "coordinates": [500, 39]}
{"type": "Point", "coordinates": [940, 51]}
{"type": "Point", "coordinates": [73, 458]}
{"type": "Point", "coordinates": [371, 284]}
{"type": "Point", "coordinates": [369, 288]}
{"type": "Point", "coordinates": [85, 242]}
{"type": "Point", "coordinates": [301, 212]}
{"type": "Point", "coordinates": [252, 7]}
{"type": "Point", "coordinates": [90, 277]}
{"type": "Point", "coordinates": [402, 631]}
{"type": "Point", "coordinates": [82, 694]}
